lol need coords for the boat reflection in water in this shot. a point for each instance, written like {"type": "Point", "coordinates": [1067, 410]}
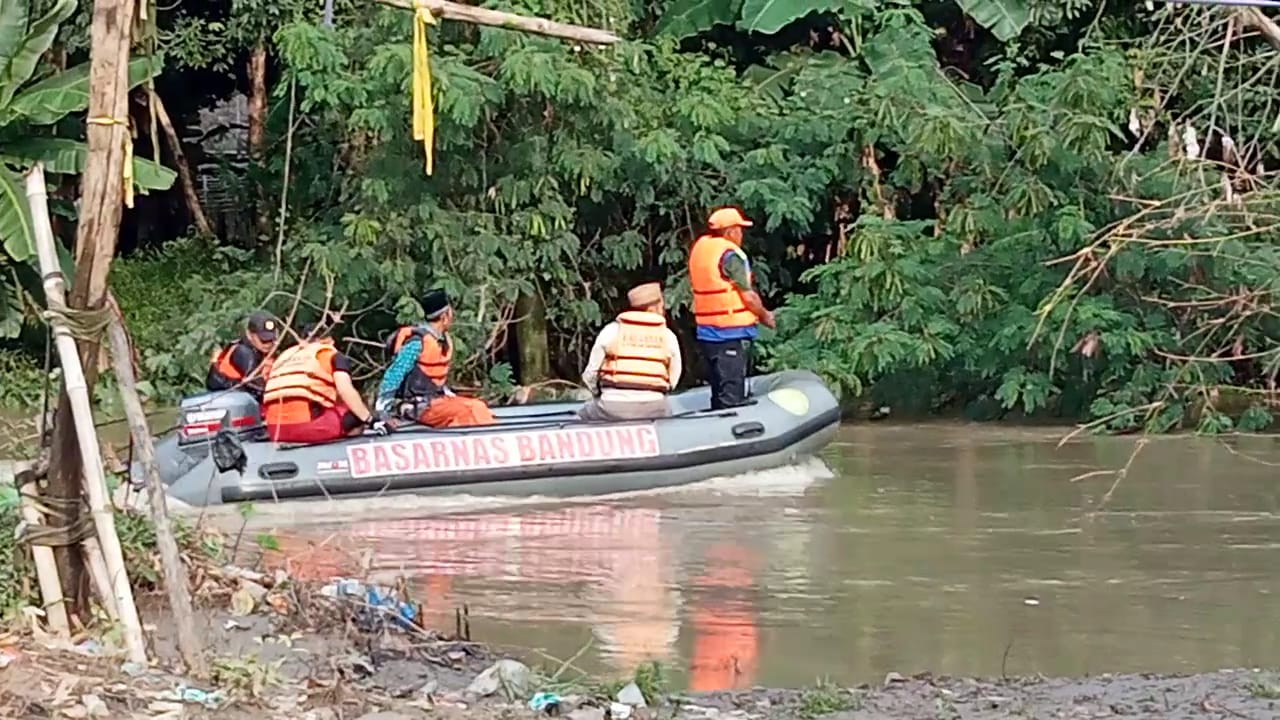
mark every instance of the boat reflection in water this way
{"type": "Point", "coordinates": [726, 641]}
{"type": "Point", "coordinates": [539, 573]}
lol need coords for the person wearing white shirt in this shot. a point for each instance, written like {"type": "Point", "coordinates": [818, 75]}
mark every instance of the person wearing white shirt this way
{"type": "Point", "coordinates": [634, 363]}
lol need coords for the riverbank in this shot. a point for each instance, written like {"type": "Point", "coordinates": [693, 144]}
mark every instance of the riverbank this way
{"type": "Point", "coordinates": [332, 652]}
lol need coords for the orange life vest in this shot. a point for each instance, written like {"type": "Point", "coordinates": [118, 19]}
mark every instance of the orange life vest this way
{"type": "Point", "coordinates": [303, 372]}
{"type": "Point", "coordinates": [639, 357]}
{"type": "Point", "coordinates": [432, 371]}
{"type": "Point", "coordinates": [716, 301]}
{"type": "Point", "coordinates": [398, 338]}
{"type": "Point", "coordinates": [436, 357]}
{"type": "Point", "coordinates": [220, 362]}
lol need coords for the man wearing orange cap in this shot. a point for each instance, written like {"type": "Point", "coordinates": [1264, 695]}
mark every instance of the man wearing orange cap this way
{"type": "Point", "coordinates": [726, 307]}
{"type": "Point", "coordinates": [634, 363]}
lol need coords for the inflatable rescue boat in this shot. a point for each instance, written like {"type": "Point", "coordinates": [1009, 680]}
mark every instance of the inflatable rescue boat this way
{"type": "Point", "coordinates": [220, 454]}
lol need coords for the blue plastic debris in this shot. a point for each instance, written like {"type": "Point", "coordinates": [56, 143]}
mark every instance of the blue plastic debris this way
{"type": "Point", "coordinates": [544, 702]}
{"type": "Point", "coordinates": [377, 602]}
{"type": "Point", "coordinates": [210, 700]}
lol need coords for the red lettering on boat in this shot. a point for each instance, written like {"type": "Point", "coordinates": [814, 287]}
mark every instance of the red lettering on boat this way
{"type": "Point", "coordinates": [564, 446]}
{"type": "Point", "coordinates": [586, 444]}
{"type": "Point", "coordinates": [498, 446]}
{"type": "Point", "coordinates": [528, 452]}
{"type": "Point", "coordinates": [627, 445]}
{"type": "Point", "coordinates": [421, 457]}
{"type": "Point", "coordinates": [381, 460]}
{"type": "Point", "coordinates": [439, 455]}
{"type": "Point", "coordinates": [402, 461]}
{"type": "Point", "coordinates": [358, 456]}
{"type": "Point", "coordinates": [461, 452]}
{"type": "Point", "coordinates": [606, 442]}
{"type": "Point", "coordinates": [495, 450]}
{"type": "Point", "coordinates": [648, 440]}
{"type": "Point", "coordinates": [547, 448]}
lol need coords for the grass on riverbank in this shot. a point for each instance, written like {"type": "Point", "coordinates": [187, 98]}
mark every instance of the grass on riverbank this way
{"type": "Point", "coordinates": [179, 301]}
{"type": "Point", "coordinates": [18, 587]}
{"type": "Point", "coordinates": [826, 698]}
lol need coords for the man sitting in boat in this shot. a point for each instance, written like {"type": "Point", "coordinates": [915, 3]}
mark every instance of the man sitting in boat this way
{"type": "Point", "coordinates": [244, 364]}
{"type": "Point", "coordinates": [634, 363]}
{"type": "Point", "coordinates": [309, 397]}
{"type": "Point", "coordinates": [415, 383]}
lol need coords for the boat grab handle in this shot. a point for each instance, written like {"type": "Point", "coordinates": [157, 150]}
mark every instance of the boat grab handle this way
{"type": "Point", "coordinates": [278, 471]}
{"type": "Point", "coordinates": [748, 430]}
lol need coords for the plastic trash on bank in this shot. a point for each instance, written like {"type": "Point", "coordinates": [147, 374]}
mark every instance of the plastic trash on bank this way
{"type": "Point", "coordinates": [374, 604]}
{"type": "Point", "coordinates": [547, 702]}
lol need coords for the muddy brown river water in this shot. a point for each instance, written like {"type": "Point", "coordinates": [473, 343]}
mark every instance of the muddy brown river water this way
{"type": "Point", "coordinates": [958, 549]}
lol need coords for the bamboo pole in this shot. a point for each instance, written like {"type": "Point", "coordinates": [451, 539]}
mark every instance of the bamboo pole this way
{"type": "Point", "coordinates": [77, 392]}
{"type": "Point", "coordinates": [175, 573]}
{"type": "Point", "coordinates": [102, 187]}
{"type": "Point", "coordinates": [496, 18]}
{"type": "Point", "coordinates": [55, 609]}
{"type": "Point", "coordinates": [96, 563]}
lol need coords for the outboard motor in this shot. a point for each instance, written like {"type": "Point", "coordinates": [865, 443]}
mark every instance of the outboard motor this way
{"type": "Point", "coordinates": [204, 416]}
{"type": "Point", "coordinates": [210, 422]}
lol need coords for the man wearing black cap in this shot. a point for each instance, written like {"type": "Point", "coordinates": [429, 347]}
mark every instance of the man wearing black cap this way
{"type": "Point", "coordinates": [415, 385]}
{"type": "Point", "coordinates": [244, 364]}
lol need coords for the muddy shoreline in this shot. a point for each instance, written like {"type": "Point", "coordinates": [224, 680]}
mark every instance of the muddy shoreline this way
{"type": "Point", "coordinates": [289, 649]}
{"type": "Point", "coordinates": [300, 654]}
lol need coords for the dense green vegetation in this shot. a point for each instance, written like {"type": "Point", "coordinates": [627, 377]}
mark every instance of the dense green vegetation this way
{"type": "Point", "coordinates": [1046, 206]}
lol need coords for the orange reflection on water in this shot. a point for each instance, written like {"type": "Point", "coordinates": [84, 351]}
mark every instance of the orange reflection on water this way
{"type": "Point", "coordinates": [726, 642]}
{"type": "Point", "coordinates": [617, 554]}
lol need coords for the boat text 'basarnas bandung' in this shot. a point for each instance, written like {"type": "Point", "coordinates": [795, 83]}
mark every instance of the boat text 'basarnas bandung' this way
{"type": "Point", "coordinates": [496, 450]}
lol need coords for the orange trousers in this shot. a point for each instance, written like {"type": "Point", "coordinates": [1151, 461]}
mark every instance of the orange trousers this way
{"type": "Point", "coordinates": [456, 411]}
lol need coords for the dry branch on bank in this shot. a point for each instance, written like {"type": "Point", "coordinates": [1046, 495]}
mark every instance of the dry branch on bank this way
{"type": "Point", "coordinates": [175, 572]}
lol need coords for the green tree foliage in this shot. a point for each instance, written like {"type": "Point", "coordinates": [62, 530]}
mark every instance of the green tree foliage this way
{"type": "Point", "coordinates": [29, 114]}
{"type": "Point", "coordinates": [987, 205]}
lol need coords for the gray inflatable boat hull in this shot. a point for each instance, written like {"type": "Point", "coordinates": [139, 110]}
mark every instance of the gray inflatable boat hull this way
{"type": "Point", "coordinates": [539, 449]}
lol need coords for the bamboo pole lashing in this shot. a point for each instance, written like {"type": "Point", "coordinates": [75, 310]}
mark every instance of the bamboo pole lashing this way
{"type": "Point", "coordinates": [77, 391]}
{"type": "Point", "coordinates": [54, 605]}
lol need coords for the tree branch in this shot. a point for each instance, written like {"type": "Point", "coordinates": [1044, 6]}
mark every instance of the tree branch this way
{"type": "Point", "coordinates": [185, 179]}
{"type": "Point", "coordinates": [1258, 20]}
{"type": "Point", "coordinates": [495, 18]}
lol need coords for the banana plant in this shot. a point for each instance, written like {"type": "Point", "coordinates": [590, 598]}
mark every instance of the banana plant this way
{"type": "Point", "coordinates": [682, 18]}
{"type": "Point", "coordinates": [28, 113]}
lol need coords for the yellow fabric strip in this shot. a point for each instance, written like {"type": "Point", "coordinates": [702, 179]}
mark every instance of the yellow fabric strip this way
{"type": "Point", "coordinates": [424, 123]}
{"type": "Point", "coordinates": [128, 154]}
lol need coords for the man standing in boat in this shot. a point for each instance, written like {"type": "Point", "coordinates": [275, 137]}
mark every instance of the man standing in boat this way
{"type": "Point", "coordinates": [634, 363]}
{"type": "Point", "coordinates": [416, 381]}
{"type": "Point", "coordinates": [726, 307]}
{"type": "Point", "coordinates": [245, 363]}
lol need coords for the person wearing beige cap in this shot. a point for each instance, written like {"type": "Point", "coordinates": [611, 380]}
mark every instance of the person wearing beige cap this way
{"type": "Point", "coordinates": [726, 307]}
{"type": "Point", "coordinates": [634, 363]}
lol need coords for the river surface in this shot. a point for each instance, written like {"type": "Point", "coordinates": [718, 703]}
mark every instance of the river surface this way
{"type": "Point", "coordinates": [957, 549]}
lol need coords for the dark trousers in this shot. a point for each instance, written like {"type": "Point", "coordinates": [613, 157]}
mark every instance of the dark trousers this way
{"type": "Point", "coordinates": [729, 363]}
